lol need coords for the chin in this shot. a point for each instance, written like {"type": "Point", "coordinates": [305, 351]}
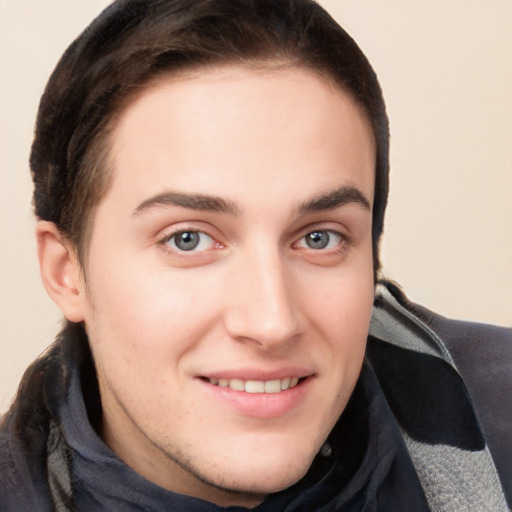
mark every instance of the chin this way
{"type": "Point", "coordinates": [250, 486]}
{"type": "Point", "coordinates": [245, 478]}
{"type": "Point", "coordinates": [264, 471]}
{"type": "Point", "coordinates": [270, 480]}
{"type": "Point", "coordinates": [259, 461]}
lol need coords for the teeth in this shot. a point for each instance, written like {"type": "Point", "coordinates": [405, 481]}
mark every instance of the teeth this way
{"type": "Point", "coordinates": [254, 386]}
{"type": "Point", "coordinates": [257, 386]}
{"type": "Point", "coordinates": [273, 386]}
{"type": "Point", "coordinates": [236, 384]}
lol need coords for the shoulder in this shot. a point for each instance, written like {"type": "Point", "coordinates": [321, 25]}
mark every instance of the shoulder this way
{"type": "Point", "coordinates": [467, 341]}
{"type": "Point", "coordinates": [25, 441]}
{"type": "Point", "coordinates": [22, 480]}
{"type": "Point", "coordinates": [8, 473]}
{"type": "Point", "coordinates": [482, 355]}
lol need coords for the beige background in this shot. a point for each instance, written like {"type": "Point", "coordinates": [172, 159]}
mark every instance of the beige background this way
{"type": "Point", "coordinates": [445, 67]}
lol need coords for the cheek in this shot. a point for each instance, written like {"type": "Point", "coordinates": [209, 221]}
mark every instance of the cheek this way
{"type": "Point", "coordinates": [342, 299]}
{"type": "Point", "coordinates": [340, 306]}
{"type": "Point", "coordinates": [146, 320]}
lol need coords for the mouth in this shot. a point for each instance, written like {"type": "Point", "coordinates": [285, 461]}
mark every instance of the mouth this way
{"type": "Point", "coordinates": [257, 386]}
{"type": "Point", "coordinates": [261, 394]}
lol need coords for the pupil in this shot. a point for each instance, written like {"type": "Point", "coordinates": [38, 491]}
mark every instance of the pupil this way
{"type": "Point", "coordinates": [187, 240]}
{"type": "Point", "coordinates": [318, 239]}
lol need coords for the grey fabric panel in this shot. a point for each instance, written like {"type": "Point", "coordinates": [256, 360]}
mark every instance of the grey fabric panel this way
{"type": "Point", "coordinates": [457, 480]}
{"type": "Point", "coordinates": [58, 469]}
{"type": "Point", "coordinates": [454, 480]}
{"type": "Point", "coordinates": [387, 323]}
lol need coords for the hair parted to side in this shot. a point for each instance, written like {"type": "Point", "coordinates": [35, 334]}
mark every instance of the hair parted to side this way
{"type": "Point", "coordinates": [133, 42]}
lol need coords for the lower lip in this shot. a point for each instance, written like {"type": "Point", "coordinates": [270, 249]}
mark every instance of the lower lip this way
{"type": "Point", "coordinates": [261, 405]}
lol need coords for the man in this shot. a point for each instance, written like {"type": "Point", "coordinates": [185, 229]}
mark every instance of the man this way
{"type": "Point", "coordinates": [210, 185]}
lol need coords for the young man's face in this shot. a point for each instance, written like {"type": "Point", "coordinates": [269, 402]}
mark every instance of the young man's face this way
{"type": "Point", "coordinates": [232, 249]}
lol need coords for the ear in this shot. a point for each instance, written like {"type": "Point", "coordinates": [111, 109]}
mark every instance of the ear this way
{"type": "Point", "coordinates": [60, 271]}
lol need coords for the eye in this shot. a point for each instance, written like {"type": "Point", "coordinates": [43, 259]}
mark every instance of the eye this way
{"type": "Point", "coordinates": [190, 241]}
{"type": "Point", "coordinates": [321, 239]}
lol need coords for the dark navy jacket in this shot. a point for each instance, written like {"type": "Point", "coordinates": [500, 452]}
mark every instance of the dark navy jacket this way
{"type": "Point", "coordinates": [427, 429]}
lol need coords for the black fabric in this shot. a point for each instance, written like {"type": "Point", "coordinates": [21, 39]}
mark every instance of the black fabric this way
{"type": "Point", "coordinates": [25, 428]}
{"type": "Point", "coordinates": [483, 355]}
{"type": "Point", "coordinates": [368, 465]}
{"type": "Point", "coordinates": [369, 470]}
{"type": "Point", "coordinates": [443, 413]}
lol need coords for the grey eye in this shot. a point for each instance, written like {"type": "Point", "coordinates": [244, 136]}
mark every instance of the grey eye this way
{"type": "Point", "coordinates": [317, 239]}
{"type": "Point", "coordinates": [321, 239]}
{"type": "Point", "coordinates": [187, 240]}
{"type": "Point", "coordinates": [190, 241]}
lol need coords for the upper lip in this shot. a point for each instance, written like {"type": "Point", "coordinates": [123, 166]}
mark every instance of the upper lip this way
{"type": "Point", "coordinates": [258, 374]}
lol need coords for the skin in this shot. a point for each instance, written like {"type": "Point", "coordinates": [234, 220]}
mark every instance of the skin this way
{"type": "Point", "coordinates": [253, 296]}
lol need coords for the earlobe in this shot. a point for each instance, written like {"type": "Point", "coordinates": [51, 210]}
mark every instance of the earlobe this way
{"type": "Point", "coordinates": [60, 271]}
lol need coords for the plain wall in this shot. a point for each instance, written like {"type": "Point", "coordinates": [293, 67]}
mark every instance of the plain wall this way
{"type": "Point", "coordinates": [445, 68]}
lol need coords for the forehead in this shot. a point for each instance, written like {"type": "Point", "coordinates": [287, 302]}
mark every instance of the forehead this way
{"type": "Point", "coordinates": [236, 125]}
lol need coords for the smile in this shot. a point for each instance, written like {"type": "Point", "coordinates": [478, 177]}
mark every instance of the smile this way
{"type": "Point", "coordinates": [270, 394]}
{"type": "Point", "coordinates": [256, 386]}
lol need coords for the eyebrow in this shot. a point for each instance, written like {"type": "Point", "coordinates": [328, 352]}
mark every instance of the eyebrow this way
{"type": "Point", "coordinates": [334, 199]}
{"type": "Point", "coordinates": [328, 201]}
{"type": "Point", "coordinates": [191, 201]}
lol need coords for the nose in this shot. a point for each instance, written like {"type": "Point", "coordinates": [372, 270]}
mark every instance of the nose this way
{"type": "Point", "coordinates": [263, 307]}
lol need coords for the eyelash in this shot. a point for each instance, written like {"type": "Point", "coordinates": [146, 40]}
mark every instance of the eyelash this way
{"type": "Point", "coordinates": [331, 234]}
{"type": "Point", "coordinates": [173, 236]}
{"type": "Point", "coordinates": [340, 241]}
